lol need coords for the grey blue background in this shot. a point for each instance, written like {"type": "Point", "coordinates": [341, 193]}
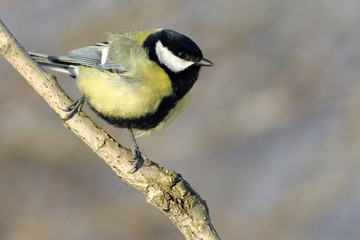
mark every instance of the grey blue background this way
{"type": "Point", "coordinates": [270, 139]}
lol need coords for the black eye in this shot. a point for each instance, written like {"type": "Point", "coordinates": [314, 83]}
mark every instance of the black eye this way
{"type": "Point", "coordinates": [181, 55]}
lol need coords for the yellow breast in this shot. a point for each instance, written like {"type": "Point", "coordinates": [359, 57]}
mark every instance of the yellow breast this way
{"type": "Point", "coordinates": [130, 95]}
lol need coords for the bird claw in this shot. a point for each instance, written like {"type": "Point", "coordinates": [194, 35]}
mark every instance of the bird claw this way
{"type": "Point", "coordinates": [139, 160]}
{"type": "Point", "coordinates": [74, 107]}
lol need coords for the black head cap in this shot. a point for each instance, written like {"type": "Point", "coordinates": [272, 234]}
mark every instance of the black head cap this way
{"type": "Point", "coordinates": [180, 45]}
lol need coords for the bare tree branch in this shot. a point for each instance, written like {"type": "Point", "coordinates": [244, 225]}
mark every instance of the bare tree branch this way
{"type": "Point", "coordinates": [164, 189]}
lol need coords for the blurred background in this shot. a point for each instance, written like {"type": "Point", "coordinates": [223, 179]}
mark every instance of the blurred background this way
{"type": "Point", "coordinates": [270, 139]}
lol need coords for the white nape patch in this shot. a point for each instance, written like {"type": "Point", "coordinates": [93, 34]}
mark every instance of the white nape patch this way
{"type": "Point", "coordinates": [104, 55]}
{"type": "Point", "coordinates": [173, 62]}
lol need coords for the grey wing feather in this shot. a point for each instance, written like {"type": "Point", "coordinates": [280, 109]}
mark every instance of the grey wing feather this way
{"type": "Point", "coordinates": [91, 56]}
{"type": "Point", "coordinates": [94, 56]}
{"type": "Point", "coordinates": [87, 56]}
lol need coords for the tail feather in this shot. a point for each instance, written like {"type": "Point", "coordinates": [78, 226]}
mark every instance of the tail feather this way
{"type": "Point", "coordinates": [59, 64]}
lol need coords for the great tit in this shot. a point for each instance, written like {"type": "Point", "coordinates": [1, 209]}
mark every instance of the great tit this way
{"type": "Point", "coordinates": [139, 80]}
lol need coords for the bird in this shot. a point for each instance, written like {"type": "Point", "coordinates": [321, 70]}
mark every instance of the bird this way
{"type": "Point", "coordinates": [138, 80]}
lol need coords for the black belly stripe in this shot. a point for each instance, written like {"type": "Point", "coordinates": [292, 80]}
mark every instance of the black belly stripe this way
{"type": "Point", "coordinates": [146, 122]}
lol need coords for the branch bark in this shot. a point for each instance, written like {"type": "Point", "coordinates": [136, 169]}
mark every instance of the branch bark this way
{"type": "Point", "coordinates": [163, 188]}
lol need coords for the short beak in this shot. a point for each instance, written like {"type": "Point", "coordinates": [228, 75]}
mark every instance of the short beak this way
{"type": "Point", "coordinates": [204, 62]}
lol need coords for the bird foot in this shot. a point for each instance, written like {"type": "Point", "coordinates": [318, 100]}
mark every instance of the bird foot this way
{"type": "Point", "coordinates": [138, 158]}
{"type": "Point", "coordinates": [74, 107]}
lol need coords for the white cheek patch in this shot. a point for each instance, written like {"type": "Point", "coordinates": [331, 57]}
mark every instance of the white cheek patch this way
{"type": "Point", "coordinates": [166, 57]}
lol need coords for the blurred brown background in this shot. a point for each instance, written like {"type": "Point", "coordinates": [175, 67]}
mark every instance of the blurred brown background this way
{"type": "Point", "coordinates": [271, 137]}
